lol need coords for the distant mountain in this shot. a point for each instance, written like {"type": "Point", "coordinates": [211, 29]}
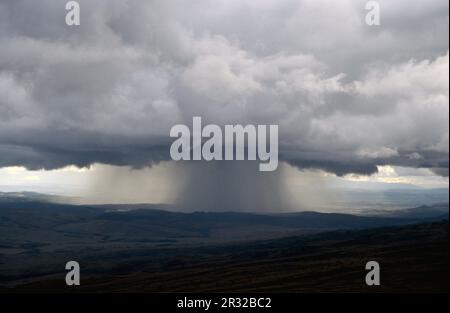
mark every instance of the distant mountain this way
{"type": "Point", "coordinates": [422, 212]}
{"type": "Point", "coordinates": [27, 196]}
{"type": "Point", "coordinates": [36, 237]}
{"type": "Point", "coordinates": [50, 223]}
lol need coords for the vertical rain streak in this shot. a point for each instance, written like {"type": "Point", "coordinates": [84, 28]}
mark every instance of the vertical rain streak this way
{"type": "Point", "coordinates": [231, 186]}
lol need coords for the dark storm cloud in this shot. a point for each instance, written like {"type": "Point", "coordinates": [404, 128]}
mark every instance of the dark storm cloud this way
{"type": "Point", "coordinates": [347, 97]}
{"type": "Point", "coordinates": [67, 148]}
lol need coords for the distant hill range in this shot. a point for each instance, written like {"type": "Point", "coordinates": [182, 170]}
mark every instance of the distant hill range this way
{"type": "Point", "coordinates": [37, 235]}
{"type": "Point", "coordinates": [29, 221]}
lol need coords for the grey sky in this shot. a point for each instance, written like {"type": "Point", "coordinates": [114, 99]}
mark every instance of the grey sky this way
{"type": "Point", "coordinates": [347, 97]}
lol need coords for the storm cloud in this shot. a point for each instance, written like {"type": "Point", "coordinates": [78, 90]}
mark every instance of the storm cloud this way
{"type": "Point", "coordinates": [346, 96]}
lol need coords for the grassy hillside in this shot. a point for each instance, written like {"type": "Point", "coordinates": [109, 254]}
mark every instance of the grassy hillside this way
{"type": "Point", "coordinates": [413, 259]}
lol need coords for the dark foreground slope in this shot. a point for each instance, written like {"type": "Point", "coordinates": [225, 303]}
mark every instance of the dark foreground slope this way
{"type": "Point", "coordinates": [413, 258]}
{"type": "Point", "coordinates": [38, 238]}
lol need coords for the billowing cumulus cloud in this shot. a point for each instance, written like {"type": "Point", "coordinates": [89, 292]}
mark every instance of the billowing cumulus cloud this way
{"type": "Point", "coordinates": [347, 97]}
